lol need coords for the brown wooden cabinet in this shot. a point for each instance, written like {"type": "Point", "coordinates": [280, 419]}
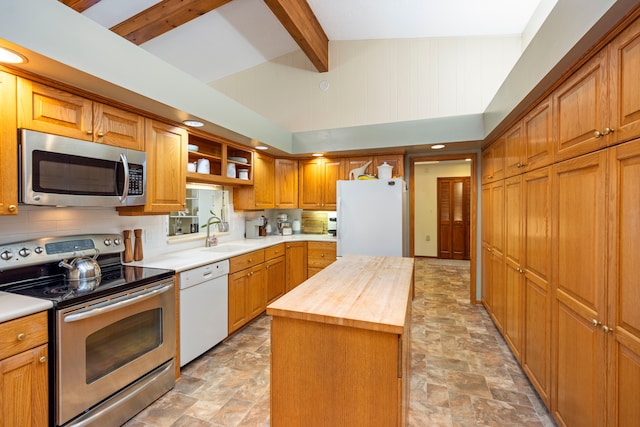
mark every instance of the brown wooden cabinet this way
{"type": "Point", "coordinates": [581, 111]}
{"type": "Point", "coordinates": [261, 194]}
{"type": "Point", "coordinates": [286, 184]}
{"type": "Point", "coordinates": [579, 232]}
{"type": "Point", "coordinates": [537, 137]}
{"type": "Point", "coordinates": [493, 161]}
{"type": "Point", "coordinates": [536, 241]}
{"type": "Point", "coordinates": [514, 149]}
{"type": "Point", "coordinates": [24, 372]}
{"type": "Point", "coordinates": [8, 145]}
{"type": "Point", "coordinates": [319, 256]}
{"type": "Point", "coordinates": [317, 183]}
{"type": "Point", "coordinates": [396, 161]}
{"type": "Point", "coordinates": [276, 272]}
{"type": "Point", "coordinates": [166, 170]}
{"type": "Point", "coordinates": [247, 288]}
{"type": "Point", "coordinates": [296, 264]}
{"type": "Point", "coordinates": [46, 109]}
{"type": "Point", "coordinates": [621, 327]}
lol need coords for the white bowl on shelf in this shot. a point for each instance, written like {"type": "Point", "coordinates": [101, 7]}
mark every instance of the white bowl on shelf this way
{"type": "Point", "coordinates": [238, 159]}
{"type": "Point", "coordinates": [192, 147]}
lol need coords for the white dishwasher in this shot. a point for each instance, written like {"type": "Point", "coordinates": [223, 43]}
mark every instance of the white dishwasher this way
{"type": "Point", "coordinates": [203, 309]}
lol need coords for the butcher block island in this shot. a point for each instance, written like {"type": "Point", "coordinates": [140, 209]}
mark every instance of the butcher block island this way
{"type": "Point", "coordinates": [340, 346]}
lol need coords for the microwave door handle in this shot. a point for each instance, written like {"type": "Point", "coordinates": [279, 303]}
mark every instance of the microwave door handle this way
{"type": "Point", "coordinates": [125, 166]}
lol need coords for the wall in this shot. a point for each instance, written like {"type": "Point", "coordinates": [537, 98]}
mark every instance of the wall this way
{"type": "Point", "coordinates": [377, 81]}
{"type": "Point", "coordinates": [426, 202]}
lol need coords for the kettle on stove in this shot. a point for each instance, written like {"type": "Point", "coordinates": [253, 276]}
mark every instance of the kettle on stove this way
{"type": "Point", "coordinates": [83, 272]}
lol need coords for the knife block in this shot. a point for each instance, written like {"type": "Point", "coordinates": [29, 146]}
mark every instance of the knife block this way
{"type": "Point", "coordinates": [137, 248]}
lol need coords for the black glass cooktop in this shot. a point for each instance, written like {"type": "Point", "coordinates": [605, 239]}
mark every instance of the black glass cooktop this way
{"type": "Point", "coordinates": [50, 282]}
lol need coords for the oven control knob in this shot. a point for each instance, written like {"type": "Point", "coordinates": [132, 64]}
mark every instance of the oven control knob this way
{"type": "Point", "coordinates": [24, 252]}
{"type": "Point", "coordinates": [116, 241]}
{"type": "Point", "coordinates": [6, 255]}
{"type": "Point", "coordinates": [38, 250]}
{"type": "Point", "coordinates": [107, 242]}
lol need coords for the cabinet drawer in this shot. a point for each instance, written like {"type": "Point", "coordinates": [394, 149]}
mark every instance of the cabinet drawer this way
{"type": "Point", "coordinates": [320, 254]}
{"type": "Point", "coordinates": [245, 261]}
{"type": "Point", "coordinates": [22, 334]}
{"type": "Point", "coordinates": [274, 251]}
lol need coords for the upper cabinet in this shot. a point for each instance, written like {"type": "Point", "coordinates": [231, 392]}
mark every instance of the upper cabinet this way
{"type": "Point", "coordinates": [46, 109]}
{"type": "Point", "coordinates": [493, 161]}
{"type": "Point", "coordinates": [8, 146]}
{"type": "Point", "coordinates": [624, 87]}
{"type": "Point", "coordinates": [537, 137]}
{"type": "Point", "coordinates": [286, 183]}
{"type": "Point", "coordinates": [166, 170]}
{"type": "Point", "coordinates": [317, 182]}
{"type": "Point", "coordinates": [513, 151]}
{"type": "Point", "coordinates": [216, 161]}
{"type": "Point", "coordinates": [261, 194]}
{"type": "Point", "coordinates": [580, 110]}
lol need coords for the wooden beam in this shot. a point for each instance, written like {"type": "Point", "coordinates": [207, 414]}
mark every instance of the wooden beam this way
{"type": "Point", "coordinates": [299, 20]}
{"type": "Point", "coordinates": [163, 17]}
{"type": "Point", "coordinates": [80, 5]}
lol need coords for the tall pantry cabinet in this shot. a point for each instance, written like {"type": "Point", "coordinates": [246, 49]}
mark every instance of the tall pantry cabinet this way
{"type": "Point", "coordinates": [567, 297]}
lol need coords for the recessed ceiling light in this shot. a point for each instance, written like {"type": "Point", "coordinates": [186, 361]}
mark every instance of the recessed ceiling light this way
{"type": "Point", "coordinates": [193, 123]}
{"type": "Point", "coordinates": [317, 154]}
{"type": "Point", "coordinates": [467, 160]}
{"type": "Point", "coordinates": [261, 147]}
{"type": "Point", "coordinates": [11, 57]}
{"type": "Point", "coordinates": [437, 146]}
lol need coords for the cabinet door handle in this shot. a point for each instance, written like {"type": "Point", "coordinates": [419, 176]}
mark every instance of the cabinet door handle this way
{"type": "Point", "coordinates": [595, 322]}
{"type": "Point", "coordinates": [21, 336]}
{"type": "Point", "coordinates": [42, 359]}
{"type": "Point", "coordinates": [597, 134]}
{"type": "Point", "coordinates": [607, 131]}
{"type": "Point", "coordinates": [12, 208]}
{"type": "Point", "coordinates": [607, 329]}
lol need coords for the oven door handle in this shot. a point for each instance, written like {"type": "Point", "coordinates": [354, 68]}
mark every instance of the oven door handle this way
{"type": "Point", "coordinates": [92, 312]}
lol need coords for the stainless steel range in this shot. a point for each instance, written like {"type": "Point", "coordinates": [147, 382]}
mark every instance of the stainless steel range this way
{"type": "Point", "coordinates": [112, 328]}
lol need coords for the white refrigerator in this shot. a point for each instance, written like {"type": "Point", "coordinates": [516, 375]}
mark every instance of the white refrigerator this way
{"type": "Point", "coordinates": [371, 217]}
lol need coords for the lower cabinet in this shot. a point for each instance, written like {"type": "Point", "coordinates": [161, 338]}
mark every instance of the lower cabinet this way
{"type": "Point", "coordinates": [24, 392]}
{"type": "Point", "coordinates": [296, 264]}
{"type": "Point", "coordinates": [275, 272]}
{"type": "Point", "coordinates": [247, 288]}
{"type": "Point", "coordinates": [319, 256]}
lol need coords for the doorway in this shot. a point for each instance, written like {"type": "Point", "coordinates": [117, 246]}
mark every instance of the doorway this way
{"type": "Point", "coordinates": [473, 203]}
{"type": "Point", "coordinates": [454, 217]}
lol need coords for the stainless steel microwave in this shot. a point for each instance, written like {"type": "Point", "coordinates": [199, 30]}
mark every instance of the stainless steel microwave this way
{"type": "Point", "coordinates": [60, 171]}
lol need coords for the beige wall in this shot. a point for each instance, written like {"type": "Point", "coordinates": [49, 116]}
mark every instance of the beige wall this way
{"type": "Point", "coordinates": [426, 199]}
{"type": "Point", "coordinates": [377, 81]}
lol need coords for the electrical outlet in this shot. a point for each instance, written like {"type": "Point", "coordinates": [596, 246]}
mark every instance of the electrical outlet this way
{"type": "Point", "coordinates": [428, 238]}
{"type": "Point", "coordinates": [147, 236]}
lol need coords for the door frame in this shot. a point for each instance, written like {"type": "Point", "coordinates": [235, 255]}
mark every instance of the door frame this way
{"type": "Point", "coordinates": [473, 204]}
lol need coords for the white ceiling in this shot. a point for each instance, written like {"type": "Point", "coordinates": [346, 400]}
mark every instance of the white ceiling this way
{"type": "Point", "coordinates": [244, 33]}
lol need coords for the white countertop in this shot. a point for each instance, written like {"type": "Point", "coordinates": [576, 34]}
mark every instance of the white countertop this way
{"type": "Point", "coordinates": [196, 257]}
{"type": "Point", "coordinates": [13, 306]}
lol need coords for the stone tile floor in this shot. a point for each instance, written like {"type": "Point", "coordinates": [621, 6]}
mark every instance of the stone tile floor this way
{"type": "Point", "coordinates": [462, 373]}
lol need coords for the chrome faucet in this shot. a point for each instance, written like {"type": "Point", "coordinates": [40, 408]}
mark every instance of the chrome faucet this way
{"type": "Point", "coordinates": [211, 240]}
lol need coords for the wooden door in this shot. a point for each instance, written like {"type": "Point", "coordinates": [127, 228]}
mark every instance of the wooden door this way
{"type": "Point", "coordinates": [116, 127]}
{"type": "Point", "coordinates": [514, 151]}
{"type": "Point", "coordinates": [310, 180]}
{"type": "Point", "coordinates": [24, 389]}
{"type": "Point", "coordinates": [453, 217]}
{"type": "Point", "coordinates": [333, 170]}
{"type": "Point", "coordinates": [166, 168]}
{"type": "Point", "coordinates": [496, 260]}
{"type": "Point", "coordinates": [579, 306]}
{"type": "Point", "coordinates": [256, 291]}
{"type": "Point", "coordinates": [286, 184]}
{"type": "Point", "coordinates": [8, 146]}
{"type": "Point", "coordinates": [623, 322]}
{"type": "Point", "coordinates": [538, 136]}
{"type": "Point", "coordinates": [238, 289]}
{"type": "Point", "coordinates": [536, 353]}
{"type": "Point", "coordinates": [580, 110]}
{"type": "Point", "coordinates": [624, 86]}
{"type": "Point", "coordinates": [514, 263]}
{"type": "Point", "coordinates": [275, 278]}
{"type": "Point", "coordinates": [296, 264]}
{"type": "Point", "coordinates": [45, 109]}
{"type": "Point", "coordinates": [263, 181]}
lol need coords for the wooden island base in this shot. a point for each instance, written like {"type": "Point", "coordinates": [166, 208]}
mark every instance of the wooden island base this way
{"type": "Point", "coordinates": [340, 346]}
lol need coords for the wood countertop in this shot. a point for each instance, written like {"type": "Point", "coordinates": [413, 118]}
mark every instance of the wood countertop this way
{"type": "Point", "coordinates": [367, 292]}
